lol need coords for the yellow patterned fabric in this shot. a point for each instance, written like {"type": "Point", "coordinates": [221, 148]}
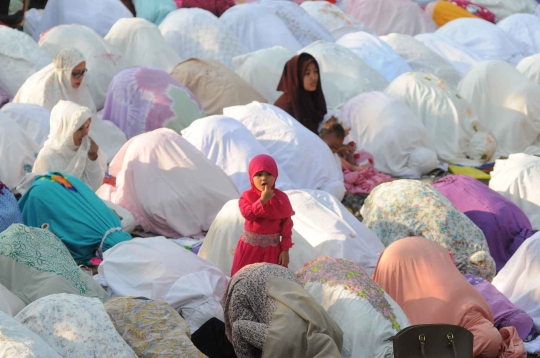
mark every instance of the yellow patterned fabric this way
{"type": "Point", "coordinates": [152, 328]}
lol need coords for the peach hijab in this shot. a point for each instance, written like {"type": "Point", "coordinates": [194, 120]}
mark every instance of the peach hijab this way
{"type": "Point", "coordinates": [421, 277]}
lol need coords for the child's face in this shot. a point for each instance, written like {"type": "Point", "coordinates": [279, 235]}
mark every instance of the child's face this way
{"type": "Point", "coordinates": [333, 142]}
{"type": "Point", "coordinates": [261, 179]}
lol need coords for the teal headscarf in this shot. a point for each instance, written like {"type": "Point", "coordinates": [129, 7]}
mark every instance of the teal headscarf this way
{"type": "Point", "coordinates": [74, 213]}
{"type": "Point", "coordinates": [154, 11]}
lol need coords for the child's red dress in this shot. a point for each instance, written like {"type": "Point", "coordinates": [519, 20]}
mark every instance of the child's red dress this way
{"type": "Point", "coordinates": [264, 225]}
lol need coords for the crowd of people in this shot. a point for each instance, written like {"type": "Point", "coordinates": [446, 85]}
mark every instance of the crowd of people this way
{"type": "Point", "coordinates": [272, 178]}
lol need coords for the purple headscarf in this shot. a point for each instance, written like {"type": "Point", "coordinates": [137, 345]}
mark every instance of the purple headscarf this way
{"type": "Point", "coordinates": [141, 99]}
{"type": "Point", "coordinates": [505, 313]}
{"type": "Point", "coordinates": [503, 223]}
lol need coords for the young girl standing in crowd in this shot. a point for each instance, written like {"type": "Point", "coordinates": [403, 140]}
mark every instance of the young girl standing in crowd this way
{"type": "Point", "coordinates": [268, 212]}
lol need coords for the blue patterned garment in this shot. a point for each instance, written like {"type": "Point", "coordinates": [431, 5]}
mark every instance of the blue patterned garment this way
{"type": "Point", "coordinates": [9, 210]}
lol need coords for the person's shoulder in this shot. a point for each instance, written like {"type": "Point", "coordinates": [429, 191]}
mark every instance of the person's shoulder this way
{"type": "Point", "coordinates": [283, 100]}
{"type": "Point", "coordinates": [45, 160]}
{"type": "Point", "coordinates": [46, 152]}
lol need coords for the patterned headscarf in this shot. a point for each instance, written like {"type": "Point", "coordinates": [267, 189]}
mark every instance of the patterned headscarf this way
{"type": "Point", "coordinates": [247, 298]}
{"type": "Point", "coordinates": [405, 208]}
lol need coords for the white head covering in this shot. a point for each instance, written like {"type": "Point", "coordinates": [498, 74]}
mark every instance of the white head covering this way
{"type": "Point", "coordinates": [32, 118]}
{"type": "Point", "coordinates": [504, 8]}
{"type": "Point", "coordinates": [461, 57]}
{"type": "Point", "coordinates": [346, 71]}
{"type": "Point", "coordinates": [307, 160]}
{"type": "Point", "coordinates": [336, 21]}
{"type": "Point", "coordinates": [257, 27]}
{"type": "Point", "coordinates": [322, 226]}
{"type": "Point", "coordinates": [516, 179]}
{"type": "Point", "coordinates": [75, 325]}
{"type": "Point", "coordinates": [32, 17]}
{"type": "Point", "coordinates": [60, 153]}
{"type": "Point", "coordinates": [457, 133]}
{"type": "Point", "coordinates": [53, 83]}
{"type": "Point", "coordinates": [142, 44]}
{"type": "Point", "coordinates": [20, 57]}
{"type": "Point", "coordinates": [269, 62]}
{"type": "Point", "coordinates": [506, 103]}
{"type": "Point", "coordinates": [387, 128]}
{"type": "Point", "coordinates": [530, 67]}
{"type": "Point", "coordinates": [100, 15]}
{"type": "Point", "coordinates": [17, 150]}
{"type": "Point", "coordinates": [187, 190]}
{"type": "Point", "coordinates": [523, 28]}
{"type": "Point", "coordinates": [421, 59]}
{"type": "Point", "coordinates": [231, 146]}
{"type": "Point", "coordinates": [485, 39]}
{"type": "Point", "coordinates": [305, 28]}
{"type": "Point", "coordinates": [391, 16]}
{"type": "Point", "coordinates": [345, 290]}
{"type": "Point", "coordinates": [66, 118]}
{"type": "Point", "coordinates": [198, 33]}
{"type": "Point", "coordinates": [102, 61]}
{"type": "Point", "coordinates": [518, 279]}
{"type": "Point", "coordinates": [20, 342]}
{"type": "Point", "coordinates": [376, 53]}
{"type": "Point", "coordinates": [188, 283]}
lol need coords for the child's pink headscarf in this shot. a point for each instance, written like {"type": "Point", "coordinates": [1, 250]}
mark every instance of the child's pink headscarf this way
{"type": "Point", "coordinates": [279, 207]}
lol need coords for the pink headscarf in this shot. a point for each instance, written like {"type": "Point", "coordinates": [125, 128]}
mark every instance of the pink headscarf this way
{"type": "Point", "coordinates": [420, 276]}
{"type": "Point", "coordinates": [279, 207]}
{"type": "Point", "coordinates": [388, 16]}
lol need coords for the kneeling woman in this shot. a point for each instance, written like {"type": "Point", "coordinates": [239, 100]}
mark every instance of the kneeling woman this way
{"type": "Point", "coordinates": [421, 277]}
{"type": "Point", "coordinates": [69, 149]}
{"type": "Point", "coordinates": [74, 213]}
{"type": "Point", "coordinates": [268, 313]}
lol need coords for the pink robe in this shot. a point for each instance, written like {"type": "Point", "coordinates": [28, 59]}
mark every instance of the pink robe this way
{"type": "Point", "coordinates": [420, 276]}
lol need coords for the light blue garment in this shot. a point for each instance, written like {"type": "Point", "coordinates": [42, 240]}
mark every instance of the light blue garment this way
{"type": "Point", "coordinates": [154, 11]}
{"type": "Point", "coordinates": [9, 211]}
{"type": "Point", "coordinates": [74, 213]}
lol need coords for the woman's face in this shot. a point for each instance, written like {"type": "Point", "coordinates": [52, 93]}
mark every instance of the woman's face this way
{"type": "Point", "coordinates": [77, 75]}
{"type": "Point", "coordinates": [262, 179]}
{"type": "Point", "coordinates": [82, 132]}
{"type": "Point", "coordinates": [311, 77]}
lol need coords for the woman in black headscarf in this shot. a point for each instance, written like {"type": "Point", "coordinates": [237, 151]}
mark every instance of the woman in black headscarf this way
{"type": "Point", "coordinates": [303, 97]}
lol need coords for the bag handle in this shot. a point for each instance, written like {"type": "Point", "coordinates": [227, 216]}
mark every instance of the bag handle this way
{"type": "Point", "coordinates": [422, 340]}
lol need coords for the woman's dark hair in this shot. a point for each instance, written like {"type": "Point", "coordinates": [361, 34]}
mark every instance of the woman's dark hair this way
{"type": "Point", "coordinates": [334, 128]}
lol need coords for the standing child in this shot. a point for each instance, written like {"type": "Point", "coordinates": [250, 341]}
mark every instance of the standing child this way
{"type": "Point", "coordinates": [268, 212]}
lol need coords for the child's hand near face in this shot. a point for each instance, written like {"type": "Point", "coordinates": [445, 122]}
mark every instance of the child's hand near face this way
{"type": "Point", "coordinates": [283, 258]}
{"type": "Point", "coordinates": [266, 194]}
{"type": "Point", "coordinates": [345, 148]}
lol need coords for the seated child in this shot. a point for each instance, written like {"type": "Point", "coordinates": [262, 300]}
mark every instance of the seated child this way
{"type": "Point", "coordinates": [333, 134]}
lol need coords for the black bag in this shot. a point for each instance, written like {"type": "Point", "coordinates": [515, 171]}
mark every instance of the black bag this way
{"type": "Point", "coordinates": [433, 341]}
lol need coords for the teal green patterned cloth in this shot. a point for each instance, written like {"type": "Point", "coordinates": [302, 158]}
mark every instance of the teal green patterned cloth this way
{"type": "Point", "coordinates": [35, 263]}
{"type": "Point", "coordinates": [74, 213]}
